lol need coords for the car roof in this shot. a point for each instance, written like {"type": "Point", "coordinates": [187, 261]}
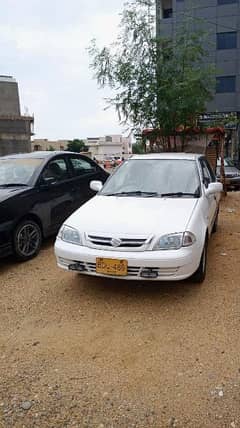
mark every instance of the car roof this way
{"type": "Point", "coordinates": [180, 156]}
{"type": "Point", "coordinates": [38, 155]}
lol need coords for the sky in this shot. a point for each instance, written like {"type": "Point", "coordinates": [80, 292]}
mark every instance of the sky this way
{"type": "Point", "coordinates": [43, 46]}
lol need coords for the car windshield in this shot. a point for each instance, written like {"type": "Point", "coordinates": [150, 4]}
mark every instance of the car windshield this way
{"type": "Point", "coordinates": [154, 177]}
{"type": "Point", "coordinates": [17, 171]}
{"type": "Point", "coordinates": [227, 162]}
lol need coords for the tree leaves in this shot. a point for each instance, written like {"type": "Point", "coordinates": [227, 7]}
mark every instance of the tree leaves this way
{"type": "Point", "coordinates": [77, 146]}
{"type": "Point", "coordinates": [158, 82]}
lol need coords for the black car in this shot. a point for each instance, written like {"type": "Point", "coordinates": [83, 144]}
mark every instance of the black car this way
{"type": "Point", "coordinates": [38, 191]}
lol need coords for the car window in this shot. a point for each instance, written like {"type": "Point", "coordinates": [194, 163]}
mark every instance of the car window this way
{"type": "Point", "coordinates": [206, 173]}
{"type": "Point", "coordinates": [56, 169]}
{"type": "Point", "coordinates": [227, 162]}
{"type": "Point", "coordinates": [210, 170]}
{"type": "Point", "coordinates": [81, 166]}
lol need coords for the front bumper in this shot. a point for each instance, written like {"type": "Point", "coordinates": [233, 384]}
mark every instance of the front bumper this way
{"type": "Point", "coordinates": [168, 265]}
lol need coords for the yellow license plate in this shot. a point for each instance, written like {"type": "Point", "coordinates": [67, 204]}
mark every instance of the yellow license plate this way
{"type": "Point", "coordinates": [111, 266]}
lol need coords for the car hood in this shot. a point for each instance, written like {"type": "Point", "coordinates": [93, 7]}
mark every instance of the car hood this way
{"type": "Point", "coordinates": [8, 192]}
{"type": "Point", "coordinates": [133, 215]}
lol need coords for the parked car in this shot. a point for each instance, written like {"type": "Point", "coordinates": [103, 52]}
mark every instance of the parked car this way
{"type": "Point", "coordinates": [38, 191]}
{"type": "Point", "coordinates": [232, 173]}
{"type": "Point", "coordinates": [109, 162]}
{"type": "Point", "coordinates": [154, 219]}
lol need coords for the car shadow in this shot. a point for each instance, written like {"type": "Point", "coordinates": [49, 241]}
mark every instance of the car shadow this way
{"type": "Point", "coordinates": [6, 263]}
{"type": "Point", "coordinates": [107, 288]}
{"type": "Point", "coordinates": [10, 262]}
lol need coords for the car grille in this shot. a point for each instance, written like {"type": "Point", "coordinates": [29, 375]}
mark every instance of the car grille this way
{"type": "Point", "coordinates": [108, 241]}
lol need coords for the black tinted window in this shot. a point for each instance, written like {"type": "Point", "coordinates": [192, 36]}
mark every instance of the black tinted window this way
{"type": "Point", "coordinates": [56, 169]}
{"type": "Point", "coordinates": [82, 166]}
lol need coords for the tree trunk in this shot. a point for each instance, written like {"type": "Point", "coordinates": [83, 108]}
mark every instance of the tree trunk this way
{"type": "Point", "coordinates": [174, 142]}
{"type": "Point", "coordinates": [222, 169]}
{"type": "Point", "coordinates": [169, 143]}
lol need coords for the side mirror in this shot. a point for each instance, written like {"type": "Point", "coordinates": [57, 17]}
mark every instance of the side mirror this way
{"type": "Point", "coordinates": [214, 188]}
{"type": "Point", "coordinates": [96, 185]}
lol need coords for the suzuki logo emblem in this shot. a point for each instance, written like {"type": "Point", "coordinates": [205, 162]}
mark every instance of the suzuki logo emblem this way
{"type": "Point", "coordinates": [116, 242]}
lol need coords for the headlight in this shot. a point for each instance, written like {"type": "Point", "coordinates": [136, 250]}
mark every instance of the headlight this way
{"type": "Point", "coordinates": [175, 241]}
{"type": "Point", "coordinates": [69, 234]}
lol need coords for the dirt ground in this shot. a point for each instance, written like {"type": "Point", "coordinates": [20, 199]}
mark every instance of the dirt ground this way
{"type": "Point", "coordinates": [78, 351]}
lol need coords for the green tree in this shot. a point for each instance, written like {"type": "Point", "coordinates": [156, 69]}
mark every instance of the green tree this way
{"type": "Point", "coordinates": [138, 147]}
{"type": "Point", "coordinates": [77, 146]}
{"type": "Point", "coordinates": [157, 82]}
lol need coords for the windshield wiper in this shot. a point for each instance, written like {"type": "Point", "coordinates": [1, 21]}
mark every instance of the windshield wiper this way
{"type": "Point", "coordinates": [133, 193]}
{"type": "Point", "coordinates": [180, 194]}
{"type": "Point", "coordinates": [13, 185]}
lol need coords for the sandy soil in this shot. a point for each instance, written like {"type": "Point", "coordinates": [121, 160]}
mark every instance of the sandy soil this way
{"type": "Point", "coordinates": [83, 352]}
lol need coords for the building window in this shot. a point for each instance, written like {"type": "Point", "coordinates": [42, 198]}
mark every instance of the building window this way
{"type": "Point", "coordinates": [166, 9]}
{"type": "Point", "coordinates": [227, 40]}
{"type": "Point", "coordinates": [226, 84]}
{"type": "Point", "coordinates": [227, 1]}
{"type": "Point", "coordinates": [167, 13]}
{"type": "Point", "coordinates": [108, 139]}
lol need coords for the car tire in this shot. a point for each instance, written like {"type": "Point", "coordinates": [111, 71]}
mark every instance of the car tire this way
{"type": "Point", "coordinates": [200, 274]}
{"type": "Point", "coordinates": [27, 240]}
{"type": "Point", "coordinates": [215, 225]}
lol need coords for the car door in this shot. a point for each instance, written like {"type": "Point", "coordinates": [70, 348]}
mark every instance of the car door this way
{"type": "Point", "coordinates": [55, 200]}
{"type": "Point", "coordinates": [84, 170]}
{"type": "Point", "coordinates": [211, 201]}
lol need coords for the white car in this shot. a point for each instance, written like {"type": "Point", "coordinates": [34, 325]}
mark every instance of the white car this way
{"type": "Point", "coordinates": [150, 221]}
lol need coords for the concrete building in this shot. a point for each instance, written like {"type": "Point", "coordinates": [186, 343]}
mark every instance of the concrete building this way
{"type": "Point", "coordinates": [221, 20]}
{"type": "Point", "coordinates": [99, 147]}
{"type": "Point", "coordinates": [15, 130]}
{"type": "Point", "coordinates": [45, 144]}
{"type": "Point", "coordinates": [109, 145]}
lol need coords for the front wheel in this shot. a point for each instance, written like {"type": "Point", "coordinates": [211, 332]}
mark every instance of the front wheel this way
{"type": "Point", "coordinates": [200, 273]}
{"type": "Point", "coordinates": [27, 240]}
